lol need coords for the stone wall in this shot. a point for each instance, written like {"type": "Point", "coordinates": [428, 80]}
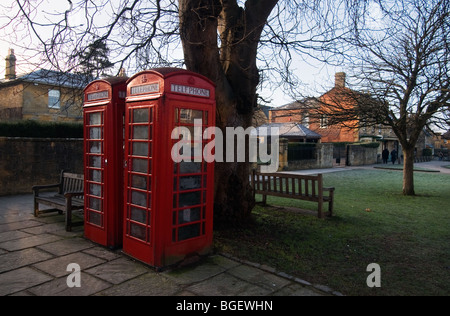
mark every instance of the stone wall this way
{"type": "Point", "coordinates": [11, 114]}
{"type": "Point", "coordinates": [11, 100]}
{"type": "Point", "coordinates": [324, 159]}
{"type": "Point", "coordinates": [25, 162]}
{"type": "Point", "coordinates": [359, 155]}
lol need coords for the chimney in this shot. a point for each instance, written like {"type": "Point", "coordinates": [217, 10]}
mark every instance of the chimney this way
{"type": "Point", "coordinates": [340, 80]}
{"type": "Point", "coordinates": [10, 73]}
{"type": "Point", "coordinates": [122, 72]}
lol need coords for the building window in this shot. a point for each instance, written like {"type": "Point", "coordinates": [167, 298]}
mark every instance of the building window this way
{"type": "Point", "coordinates": [54, 99]}
{"type": "Point", "coordinates": [323, 121]}
{"type": "Point", "coordinates": [305, 120]}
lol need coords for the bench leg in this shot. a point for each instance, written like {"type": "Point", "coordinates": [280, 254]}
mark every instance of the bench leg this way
{"type": "Point", "coordinates": [264, 199]}
{"type": "Point", "coordinates": [330, 204]}
{"type": "Point", "coordinates": [320, 215]}
{"type": "Point", "coordinates": [69, 214]}
{"type": "Point", "coordinates": [36, 208]}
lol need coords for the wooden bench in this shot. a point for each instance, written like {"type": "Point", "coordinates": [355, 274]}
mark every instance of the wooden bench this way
{"type": "Point", "coordinates": [301, 187]}
{"type": "Point", "coordinates": [69, 197]}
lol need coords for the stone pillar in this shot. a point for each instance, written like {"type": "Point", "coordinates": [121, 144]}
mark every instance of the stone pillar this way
{"type": "Point", "coordinates": [284, 145]}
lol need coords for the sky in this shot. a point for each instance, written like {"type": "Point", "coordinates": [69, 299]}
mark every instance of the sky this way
{"type": "Point", "coordinates": [316, 78]}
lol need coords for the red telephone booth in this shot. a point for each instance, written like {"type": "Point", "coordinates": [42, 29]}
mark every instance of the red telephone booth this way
{"type": "Point", "coordinates": [104, 110]}
{"type": "Point", "coordinates": [168, 211]}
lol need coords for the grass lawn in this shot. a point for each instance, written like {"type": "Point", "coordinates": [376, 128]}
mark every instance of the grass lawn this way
{"type": "Point", "coordinates": [409, 237]}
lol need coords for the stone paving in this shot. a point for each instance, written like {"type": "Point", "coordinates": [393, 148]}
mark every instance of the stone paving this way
{"type": "Point", "coordinates": [35, 254]}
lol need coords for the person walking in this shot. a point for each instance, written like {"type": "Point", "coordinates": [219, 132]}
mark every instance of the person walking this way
{"type": "Point", "coordinates": [385, 156]}
{"type": "Point", "coordinates": [393, 156]}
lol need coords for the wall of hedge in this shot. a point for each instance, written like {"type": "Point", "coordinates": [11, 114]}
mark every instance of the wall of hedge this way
{"type": "Point", "coordinates": [36, 129]}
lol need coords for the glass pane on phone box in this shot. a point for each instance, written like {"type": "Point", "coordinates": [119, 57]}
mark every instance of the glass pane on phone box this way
{"type": "Point", "coordinates": [140, 115]}
{"type": "Point", "coordinates": [190, 183]}
{"type": "Point", "coordinates": [187, 232]}
{"type": "Point", "coordinates": [137, 231]}
{"type": "Point", "coordinates": [140, 132]}
{"type": "Point", "coordinates": [95, 175]}
{"type": "Point", "coordinates": [95, 161]}
{"type": "Point", "coordinates": [95, 189]}
{"type": "Point", "coordinates": [197, 115]}
{"type": "Point", "coordinates": [188, 199]}
{"type": "Point", "coordinates": [139, 182]}
{"type": "Point", "coordinates": [189, 116]}
{"type": "Point", "coordinates": [139, 198]}
{"type": "Point", "coordinates": [95, 133]}
{"type": "Point", "coordinates": [185, 115]}
{"type": "Point", "coordinates": [95, 218]}
{"type": "Point", "coordinates": [95, 204]}
{"type": "Point", "coordinates": [140, 165]}
{"type": "Point", "coordinates": [140, 149]}
{"type": "Point", "coordinates": [189, 215]}
{"type": "Point", "coordinates": [138, 215]}
{"type": "Point", "coordinates": [190, 167]}
{"type": "Point", "coordinates": [95, 147]}
{"type": "Point", "coordinates": [95, 119]}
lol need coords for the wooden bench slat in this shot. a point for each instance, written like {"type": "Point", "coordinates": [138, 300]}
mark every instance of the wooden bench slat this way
{"type": "Point", "coordinates": [308, 188]}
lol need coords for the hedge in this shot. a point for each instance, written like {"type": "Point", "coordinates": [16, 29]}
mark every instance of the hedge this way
{"type": "Point", "coordinates": [36, 129]}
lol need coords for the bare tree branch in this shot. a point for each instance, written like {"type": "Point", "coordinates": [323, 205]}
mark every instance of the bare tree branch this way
{"type": "Point", "coordinates": [404, 68]}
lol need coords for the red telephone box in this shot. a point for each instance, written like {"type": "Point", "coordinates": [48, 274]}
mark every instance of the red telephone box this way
{"type": "Point", "coordinates": [104, 110]}
{"type": "Point", "coordinates": [168, 211]}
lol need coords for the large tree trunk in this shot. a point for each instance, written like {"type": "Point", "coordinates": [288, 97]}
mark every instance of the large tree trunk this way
{"type": "Point", "coordinates": [232, 67]}
{"type": "Point", "coordinates": [408, 171]}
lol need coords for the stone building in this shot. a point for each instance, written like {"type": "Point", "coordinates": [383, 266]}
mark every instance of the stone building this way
{"type": "Point", "coordinates": [42, 95]}
{"type": "Point", "coordinates": [311, 113]}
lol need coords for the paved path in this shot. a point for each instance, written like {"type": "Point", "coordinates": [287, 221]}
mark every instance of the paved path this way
{"type": "Point", "coordinates": [432, 165]}
{"type": "Point", "coordinates": [35, 254]}
{"type": "Point", "coordinates": [436, 165]}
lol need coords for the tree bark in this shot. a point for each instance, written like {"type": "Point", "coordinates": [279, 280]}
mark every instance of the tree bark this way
{"type": "Point", "coordinates": [232, 67]}
{"type": "Point", "coordinates": [408, 171]}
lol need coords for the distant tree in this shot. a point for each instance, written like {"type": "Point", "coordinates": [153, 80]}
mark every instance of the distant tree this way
{"type": "Point", "coordinates": [94, 59]}
{"type": "Point", "coordinates": [401, 61]}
